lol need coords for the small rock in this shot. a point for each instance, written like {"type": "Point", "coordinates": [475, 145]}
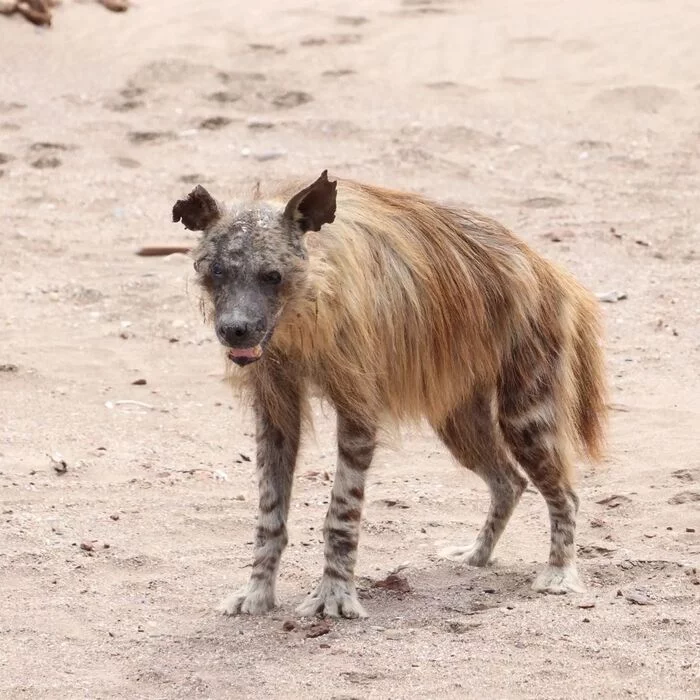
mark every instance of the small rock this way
{"type": "Point", "coordinates": [690, 529]}
{"type": "Point", "coordinates": [614, 501]}
{"type": "Point", "coordinates": [317, 629]}
{"type": "Point", "coordinates": [59, 464]}
{"type": "Point", "coordinates": [139, 382]}
{"type": "Point", "coordinates": [87, 546]}
{"type": "Point", "coordinates": [9, 367]}
{"type": "Point", "coordinates": [289, 625]}
{"type": "Point", "coordinates": [391, 503]}
{"type": "Point", "coordinates": [611, 297]}
{"type": "Point", "coordinates": [114, 516]}
{"type": "Point", "coordinates": [638, 598]}
{"type": "Point", "coordinates": [586, 605]}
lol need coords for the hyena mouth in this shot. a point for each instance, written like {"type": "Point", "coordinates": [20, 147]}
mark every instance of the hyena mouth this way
{"type": "Point", "coordinates": [244, 356]}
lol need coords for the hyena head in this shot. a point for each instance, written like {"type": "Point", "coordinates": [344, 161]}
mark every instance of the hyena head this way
{"type": "Point", "coordinates": [251, 260]}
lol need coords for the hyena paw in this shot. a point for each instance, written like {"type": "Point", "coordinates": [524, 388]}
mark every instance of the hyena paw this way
{"type": "Point", "coordinates": [250, 600]}
{"type": "Point", "coordinates": [473, 554]}
{"type": "Point", "coordinates": [334, 599]}
{"type": "Point", "coordinates": [558, 580]}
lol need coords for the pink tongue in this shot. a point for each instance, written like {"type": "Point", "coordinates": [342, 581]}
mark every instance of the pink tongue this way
{"type": "Point", "coordinates": [246, 353]}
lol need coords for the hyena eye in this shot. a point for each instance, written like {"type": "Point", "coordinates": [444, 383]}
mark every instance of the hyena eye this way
{"type": "Point", "coordinates": [217, 269]}
{"type": "Point", "coordinates": [272, 277]}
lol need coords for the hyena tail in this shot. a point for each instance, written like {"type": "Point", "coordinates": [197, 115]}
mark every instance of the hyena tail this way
{"type": "Point", "coordinates": [589, 384]}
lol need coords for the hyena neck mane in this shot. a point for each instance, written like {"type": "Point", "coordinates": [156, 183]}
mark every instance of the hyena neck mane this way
{"type": "Point", "coordinates": [406, 304]}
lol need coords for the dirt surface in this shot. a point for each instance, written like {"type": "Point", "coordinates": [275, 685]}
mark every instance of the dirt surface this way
{"type": "Point", "coordinates": [575, 124]}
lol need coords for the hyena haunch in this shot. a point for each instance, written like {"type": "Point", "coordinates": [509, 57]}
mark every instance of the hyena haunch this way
{"type": "Point", "coordinates": [397, 309]}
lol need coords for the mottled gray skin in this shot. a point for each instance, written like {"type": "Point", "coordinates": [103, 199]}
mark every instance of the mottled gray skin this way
{"type": "Point", "coordinates": [248, 262]}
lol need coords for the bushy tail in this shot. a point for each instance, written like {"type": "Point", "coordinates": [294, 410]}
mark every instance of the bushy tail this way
{"type": "Point", "coordinates": [590, 386]}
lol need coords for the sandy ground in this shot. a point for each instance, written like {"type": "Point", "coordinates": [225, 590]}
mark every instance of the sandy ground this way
{"type": "Point", "coordinates": [577, 124]}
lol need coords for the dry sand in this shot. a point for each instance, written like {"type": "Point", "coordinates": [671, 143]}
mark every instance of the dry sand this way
{"type": "Point", "coordinates": [576, 124]}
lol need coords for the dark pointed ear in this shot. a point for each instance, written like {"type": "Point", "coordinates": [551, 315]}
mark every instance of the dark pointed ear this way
{"type": "Point", "coordinates": [314, 205]}
{"type": "Point", "coordinates": [198, 212]}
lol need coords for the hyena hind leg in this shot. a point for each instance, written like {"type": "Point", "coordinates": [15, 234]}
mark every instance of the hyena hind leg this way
{"type": "Point", "coordinates": [534, 439]}
{"type": "Point", "coordinates": [471, 435]}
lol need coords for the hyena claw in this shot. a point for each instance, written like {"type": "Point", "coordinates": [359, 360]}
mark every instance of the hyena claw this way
{"type": "Point", "coordinates": [247, 601]}
{"type": "Point", "coordinates": [558, 580]}
{"type": "Point", "coordinates": [332, 599]}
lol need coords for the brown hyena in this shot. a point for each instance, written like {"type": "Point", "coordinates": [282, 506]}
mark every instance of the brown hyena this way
{"type": "Point", "coordinates": [395, 309]}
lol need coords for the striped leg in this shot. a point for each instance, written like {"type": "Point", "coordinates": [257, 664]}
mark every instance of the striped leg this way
{"type": "Point", "coordinates": [335, 595]}
{"type": "Point", "coordinates": [531, 431]}
{"type": "Point", "coordinates": [276, 458]}
{"type": "Point", "coordinates": [471, 435]}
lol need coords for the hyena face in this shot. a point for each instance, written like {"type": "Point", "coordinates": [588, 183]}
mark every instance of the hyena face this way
{"type": "Point", "coordinates": [249, 265]}
{"type": "Point", "coordinates": [252, 259]}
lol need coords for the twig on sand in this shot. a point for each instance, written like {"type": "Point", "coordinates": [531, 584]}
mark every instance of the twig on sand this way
{"type": "Point", "coordinates": [115, 5]}
{"type": "Point", "coordinates": [156, 250]}
{"type": "Point", "coordinates": [129, 402]}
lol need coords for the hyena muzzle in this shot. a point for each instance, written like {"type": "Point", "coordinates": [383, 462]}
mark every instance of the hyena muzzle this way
{"type": "Point", "coordinates": [397, 309]}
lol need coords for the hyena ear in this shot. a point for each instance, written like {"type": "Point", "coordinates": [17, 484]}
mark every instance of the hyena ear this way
{"type": "Point", "coordinates": [314, 205]}
{"type": "Point", "coordinates": [198, 212]}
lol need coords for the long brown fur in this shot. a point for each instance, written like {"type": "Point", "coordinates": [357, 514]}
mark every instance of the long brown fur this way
{"type": "Point", "coordinates": [397, 309]}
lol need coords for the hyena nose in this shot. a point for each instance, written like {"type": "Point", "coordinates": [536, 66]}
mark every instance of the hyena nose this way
{"type": "Point", "coordinates": [233, 333]}
{"type": "Point", "coordinates": [239, 330]}
{"type": "Point", "coordinates": [239, 333]}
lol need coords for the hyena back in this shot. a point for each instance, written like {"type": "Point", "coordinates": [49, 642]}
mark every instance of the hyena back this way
{"type": "Point", "coordinates": [399, 309]}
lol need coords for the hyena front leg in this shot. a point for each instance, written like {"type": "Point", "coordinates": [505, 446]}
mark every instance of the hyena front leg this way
{"type": "Point", "coordinates": [277, 448]}
{"type": "Point", "coordinates": [336, 595]}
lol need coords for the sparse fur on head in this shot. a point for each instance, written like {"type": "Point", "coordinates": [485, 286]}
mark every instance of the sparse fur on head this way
{"type": "Point", "coordinates": [395, 309]}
